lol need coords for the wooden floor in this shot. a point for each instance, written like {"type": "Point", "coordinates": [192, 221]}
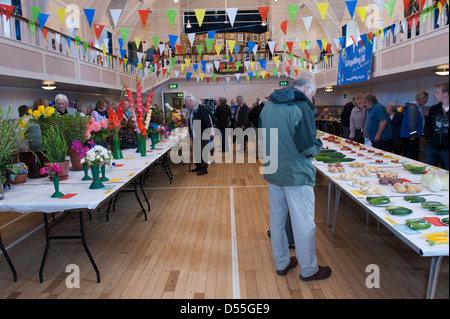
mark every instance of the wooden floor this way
{"type": "Point", "coordinates": [206, 237]}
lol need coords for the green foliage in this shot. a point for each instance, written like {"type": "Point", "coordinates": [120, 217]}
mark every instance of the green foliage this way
{"type": "Point", "coordinates": [73, 127]}
{"type": "Point", "coordinates": [55, 145]}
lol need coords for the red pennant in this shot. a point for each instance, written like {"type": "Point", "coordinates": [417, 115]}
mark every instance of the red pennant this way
{"type": "Point", "coordinates": [263, 11]}
{"type": "Point", "coordinates": [217, 80]}
{"type": "Point", "coordinates": [353, 39]}
{"type": "Point", "coordinates": [307, 66]}
{"type": "Point", "coordinates": [8, 11]}
{"type": "Point", "coordinates": [158, 73]}
{"type": "Point", "coordinates": [98, 30]}
{"type": "Point", "coordinates": [290, 45]}
{"type": "Point", "coordinates": [442, 2]}
{"type": "Point", "coordinates": [406, 5]}
{"type": "Point", "coordinates": [421, 4]}
{"type": "Point", "coordinates": [268, 76]}
{"type": "Point", "coordinates": [164, 71]}
{"type": "Point", "coordinates": [179, 48]}
{"type": "Point", "coordinates": [207, 80]}
{"type": "Point", "coordinates": [369, 36]}
{"type": "Point", "coordinates": [307, 54]}
{"type": "Point", "coordinates": [410, 21]}
{"type": "Point", "coordinates": [155, 57]}
{"type": "Point", "coordinates": [144, 15]}
{"type": "Point", "coordinates": [222, 65]}
{"type": "Point", "coordinates": [288, 68]}
{"type": "Point", "coordinates": [290, 62]}
{"type": "Point", "coordinates": [158, 65]}
{"type": "Point", "coordinates": [233, 64]}
{"type": "Point", "coordinates": [2, 9]}
{"type": "Point", "coordinates": [283, 26]}
{"type": "Point", "coordinates": [44, 31]}
{"type": "Point", "coordinates": [329, 48]}
{"type": "Point", "coordinates": [296, 71]}
{"type": "Point", "coordinates": [416, 18]}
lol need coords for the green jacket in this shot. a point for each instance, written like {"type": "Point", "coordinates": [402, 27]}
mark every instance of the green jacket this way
{"type": "Point", "coordinates": [292, 113]}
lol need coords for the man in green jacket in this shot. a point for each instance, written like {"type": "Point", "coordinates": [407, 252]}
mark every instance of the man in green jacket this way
{"type": "Point", "coordinates": [291, 184]}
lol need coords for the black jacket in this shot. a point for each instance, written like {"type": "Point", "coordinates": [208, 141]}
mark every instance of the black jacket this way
{"type": "Point", "coordinates": [202, 115]}
{"type": "Point", "coordinates": [222, 113]}
{"type": "Point", "coordinates": [396, 125]}
{"type": "Point", "coordinates": [242, 116]}
{"type": "Point", "coordinates": [254, 114]}
{"type": "Point", "coordinates": [346, 112]}
{"type": "Point", "coordinates": [436, 127]}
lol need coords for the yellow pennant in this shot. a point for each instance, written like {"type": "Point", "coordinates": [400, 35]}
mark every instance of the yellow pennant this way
{"type": "Point", "coordinates": [263, 74]}
{"type": "Point", "coordinates": [138, 42]}
{"type": "Point", "coordinates": [362, 12]}
{"type": "Point", "coordinates": [218, 49]}
{"type": "Point", "coordinates": [200, 14]}
{"type": "Point", "coordinates": [248, 78]}
{"type": "Point", "coordinates": [231, 45]}
{"type": "Point", "coordinates": [139, 66]}
{"type": "Point", "coordinates": [325, 58]}
{"type": "Point", "coordinates": [187, 61]}
{"type": "Point", "coordinates": [104, 50]}
{"type": "Point", "coordinates": [252, 65]}
{"type": "Point", "coordinates": [202, 75]}
{"type": "Point", "coordinates": [275, 59]}
{"type": "Point", "coordinates": [61, 14]}
{"type": "Point", "coordinates": [324, 43]}
{"type": "Point", "coordinates": [313, 58]}
{"type": "Point", "coordinates": [440, 7]}
{"type": "Point", "coordinates": [380, 31]}
{"type": "Point", "coordinates": [323, 8]}
{"type": "Point", "coordinates": [302, 45]}
{"type": "Point", "coordinates": [182, 67]}
{"type": "Point", "coordinates": [125, 60]}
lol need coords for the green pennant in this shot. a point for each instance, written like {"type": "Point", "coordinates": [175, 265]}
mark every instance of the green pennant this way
{"type": "Point", "coordinates": [171, 14]}
{"type": "Point", "coordinates": [424, 15]}
{"type": "Point", "coordinates": [301, 60]}
{"type": "Point", "coordinates": [238, 64]}
{"type": "Point", "coordinates": [172, 61]}
{"type": "Point", "coordinates": [430, 11]}
{"type": "Point", "coordinates": [152, 68]}
{"type": "Point", "coordinates": [293, 8]}
{"type": "Point", "coordinates": [389, 7]}
{"type": "Point", "coordinates": [124, 34]}
{"type": "Point", "coordinates": [214, 76]}
{"type": "Point", "coordinates": [291, 56]}
{"type": "Point", "coordinates": [35, 11]}
{"type": "Point", "coordinates": [155, 41]}
{"type": "Point", "coordinates": [200, 49]}
{"type": "Point", "coordinates": [85, 45]}
{"type": "Point", "coordinates": [209, 43]}
{"type": "Point", "coordinates": [275, 72]}
{"type": "Point", "coordinates": [32, 27]}
{"type": "Point", "coordinates": [258, 76]}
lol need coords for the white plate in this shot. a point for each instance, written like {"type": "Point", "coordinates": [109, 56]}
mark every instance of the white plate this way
{"type": "Point", "coordinates": [405, 193]}
{"type": "Point", "coordinates": [355, 186]}
{"type": "Point", "coordinates": [383, 205]}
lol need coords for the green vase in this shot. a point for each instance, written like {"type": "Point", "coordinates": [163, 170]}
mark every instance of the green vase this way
{"type": "Point", "coordinates": [96, 183]}
{"type": "Point", "coordinates": [57, 193]}
{"type": "Point", "coordinates": [117, 152]}
{"type": "Point", "coordinates": [142, 146]}
{"type": "Point", "coordinates": [139, 137]}
{"type": "Point", "coordinates": [86, 170]}
{"type": "Point", "coordinates": [153, 137]}
{"type": "Point", "coordinates": [104, 178]}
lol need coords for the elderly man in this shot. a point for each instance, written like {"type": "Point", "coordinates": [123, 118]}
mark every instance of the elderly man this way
{"type": "Point", "coordinates": [62, 105]}
{"type": "Point", "coordinates": [199, 121]}
{"type": "Point", "coordinates": [291, 186]}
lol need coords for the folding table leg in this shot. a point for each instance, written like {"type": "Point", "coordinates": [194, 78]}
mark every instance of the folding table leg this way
{"type": "Point", "coordinates": [336, 209]}
{"type": "Point", "coordinates": [3, 249]}
{"type": "Point", "coordinates": [434, 274]}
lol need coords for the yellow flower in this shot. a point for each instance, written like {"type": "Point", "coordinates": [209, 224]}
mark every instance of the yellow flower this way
{"type": "Point", "coordinates": [30, 112]}
{"type": "Point", "coordinates": [41, 109]}
{"type": "Point", "coordinates": [49, 111]}
{"type": "Point", "coordinates": [36, 113]}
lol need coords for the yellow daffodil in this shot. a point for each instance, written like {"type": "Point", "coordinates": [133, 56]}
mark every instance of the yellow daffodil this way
{"type": "Point", "coordinates": [36, 113]}
{"type": "Point", "coordinates": [49, 111]}
{"type": "Point", "coordinates": [41, 109]}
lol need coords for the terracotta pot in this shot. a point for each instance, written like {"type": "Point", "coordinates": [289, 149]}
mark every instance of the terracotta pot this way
{"type": "Point", "coordinates": [34, 162]}
{"type": "Point", "coordinates": [65, 170]}
{"type": "Point", "coordinates": [20, 179]}
{"type": "Point", "coordinates": [75, 160]}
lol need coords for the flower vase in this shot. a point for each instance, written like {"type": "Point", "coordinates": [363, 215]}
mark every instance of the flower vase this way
{"type": "Point", "coordinates": [153, 139]}
{"type": "Point", "coordinates": [104, 178]}
{"type": "Point", "coordinates": [57, 193]}
{"type": "Point", "coordinates": [96, 183]}
{"type": "Point", "coordinates": [86, 170]}
{"type": "Point", "coordinates": [117, 152]}
{"type": "Point", "coordinates": [139, 137]}
{"type": "Point", "coordinates": [171, 126]}
{"type": "Point", "coordinates": [142, 146]}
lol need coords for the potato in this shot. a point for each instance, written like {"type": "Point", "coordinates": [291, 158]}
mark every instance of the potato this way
{"type": "Point", "coordinates": [379, 191]}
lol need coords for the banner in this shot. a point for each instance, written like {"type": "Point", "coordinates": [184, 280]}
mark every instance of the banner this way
{"type": "Point", "coordinates": [355, 63]}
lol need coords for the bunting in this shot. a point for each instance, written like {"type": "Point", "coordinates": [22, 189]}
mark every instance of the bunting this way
{"type": "Point", "coordinates": [42, 18]}
{"type": "Point", "coordinates": [283, 26]}
{"type": "Point", "coordinates": [231, 12]}
{"type": "Point", "coordinates": [89, 13]}
{"type": "Point", "coordinates": [143, 14]}
{"type": "Point", "coordinates": [323, 8]}
{"type": "Point", "coordinates": [61, 14]}
{"type": "Point", "coordinates": [200, 14]}
{"type": "Point", "coordinates": [171, 14]}
{"type": "Point", "coordinates": [98, 30]}
{"type": "Point", "coordinates": [292, 9]}
{"type": "Point", "coordinates": [351, 5]}
{"type": "Point", "coordinates": [263, 11]}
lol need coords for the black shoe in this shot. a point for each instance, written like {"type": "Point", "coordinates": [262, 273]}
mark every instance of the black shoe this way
{"type": "Point", "coordinates": [291, 265]}
{"type": "Point", "coordinates": [323, 273]}
{"type": "Point", "coordinates": [202, 172]}
{"type": "Point", "coordinates": [195, 169]}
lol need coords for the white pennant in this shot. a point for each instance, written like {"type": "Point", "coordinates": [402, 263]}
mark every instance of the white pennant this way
{"type": "Point", "coordinates": [232, 14]}
{"type": "Point", "coordinates": [198, 78]}
{"type": "Point", "coordinates": [161, 49]}
{"type": "Point", "coordinates": [247, 64]}
{"type": "Point", "coordinates": [216, 64]}
{"type": "Point", "coordinates": [271, 46]}
{"type": "Point", "coordinates": [208, 67]}
{"type": "Point", "coordinates": [191, 38]}
{"type": "Point", "coordinates": [57, 40]}
{"type": "Point", "coordinates": [238, 76]}
{"type": "Point", "coordinates": [255, 49]}
{"type": "Point", "coordinates": [140, 55]}
{"type": "Point", "coordinates": [307, 22]}
{"type": "Point", "coordinates": [228, 79]}
{"type": "Point", "coordinates": [115, 15]}
{"type": "Point", "coordinates": [177, 73]}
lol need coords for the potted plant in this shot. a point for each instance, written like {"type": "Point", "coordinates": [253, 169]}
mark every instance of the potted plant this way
{"type": "Point", "coordinates": [97, 157]}
{"type": "Point", "coordinates": [10, 142]}
{"type": "Point", "coordinates": [55, 146]}
{"type": "Point", "coordinates": [21, 173]}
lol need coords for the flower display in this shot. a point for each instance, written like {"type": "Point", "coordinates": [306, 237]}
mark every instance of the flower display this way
{"type": "Point", "coordinates": [55, 168]}
{"type": "Point", "coordinates": [115, 119]}
{"type": "Point", "coordinates": [142, 112]}
{"type": "Point", "coordinates": [42, 110]}
{"type": "Point", "coordinates": [98, 155]}
{"type": "Point", "coordinates": [98, 131]}
{"type": "Point", "coordinates": [78, 147]}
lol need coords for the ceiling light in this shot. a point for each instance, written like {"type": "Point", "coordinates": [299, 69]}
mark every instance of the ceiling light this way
{"type": "Point", "coordinates": [175, 1]}
{"type": "Point", "coordinates": [441, 71]}
{"type": "Point", "coordinates": [329, 89]}
{"type": "Point", "coordinates": [49, 87]}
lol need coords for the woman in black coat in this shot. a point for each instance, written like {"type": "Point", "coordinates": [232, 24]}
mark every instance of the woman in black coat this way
{"type": "Point", "coordinates": [395, 119]}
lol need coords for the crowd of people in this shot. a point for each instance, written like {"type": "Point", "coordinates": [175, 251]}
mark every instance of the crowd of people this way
{"type": "Point", "coordinates": [400, 129]}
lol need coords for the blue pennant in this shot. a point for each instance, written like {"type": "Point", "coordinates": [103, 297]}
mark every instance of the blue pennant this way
{"type": "Point", "coordinates": [211, 34]}
{"type": "Point", "coordinates": [89, 15]}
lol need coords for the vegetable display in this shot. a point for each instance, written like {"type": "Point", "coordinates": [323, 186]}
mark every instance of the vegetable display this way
{"type": "Point", "coordinates": [418, 223]}
{"type": "Point", "coordinates": [414, 199]}
{"type": "Point", "coordinates": [398, 210]}
{"type": "Point", "coordinates": [414, 168]}
{"type": "Point", "coordinates": [379, 200]}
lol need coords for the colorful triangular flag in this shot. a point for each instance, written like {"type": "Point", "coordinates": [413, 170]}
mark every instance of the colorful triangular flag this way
{"type": "Point", "coordinates": [231, 12]}
{"type": "Point", "coordinates": [143, 14]}
{"type": "Point", "coordinates": [171, 14]}
{"type": "Point", "coordinates": [200, 14]}
{"type": "Point", "coordinates": [89, 13]}
{"type": "Point", "coordinates": [323, 8]}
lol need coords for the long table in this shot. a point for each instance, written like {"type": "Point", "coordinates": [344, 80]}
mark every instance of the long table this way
{"type": "Point", "coordinates": [396, 224]}
{"type": "Point", "coordinates": [34, 195]}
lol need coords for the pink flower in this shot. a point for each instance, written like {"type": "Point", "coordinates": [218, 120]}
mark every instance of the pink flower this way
{"type": "Point", "coordinates": [43, 170]}
{"type": "Point", "coordinates": [96, 126]}
{"type": "Point", "coordinates": [104, 124]}
{"type": "Point", "coordinates": [91, 120]}
{"type": "Point", "coordinates": [56, 168]}
{"type": "Point", "coordinates": [88, 135]}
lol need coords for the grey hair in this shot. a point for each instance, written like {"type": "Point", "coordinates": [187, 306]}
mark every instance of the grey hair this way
{"type": "Point", "coordinates": [190, 97]}
{"type": "Point", "coordinates": [302, 83]}
{"type": "Point", "coordinates": [391, 107]}
{"type": "Point", "coordinates": [421, 95]}
{"type": "Point", "coordinates": [222, 100]}
{"type": "Point", "coordinates": [61, 97]}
